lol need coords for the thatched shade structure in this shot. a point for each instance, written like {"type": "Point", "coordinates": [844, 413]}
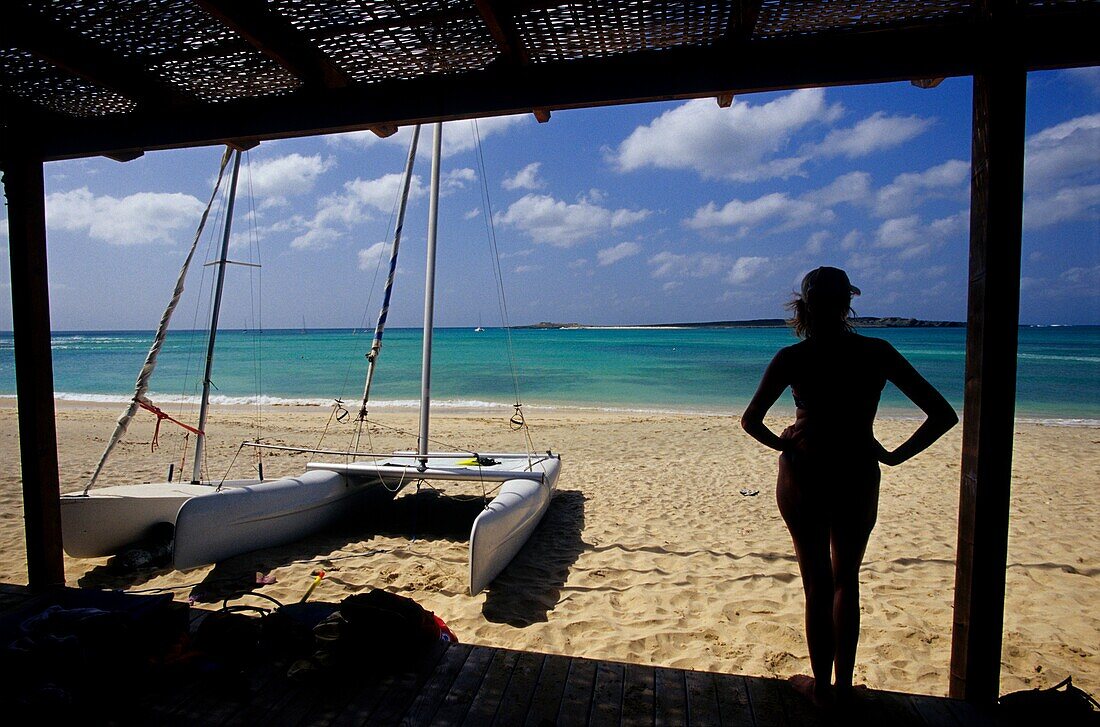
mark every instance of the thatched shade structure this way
{"type": "Point", "coordinates": [119, 77]}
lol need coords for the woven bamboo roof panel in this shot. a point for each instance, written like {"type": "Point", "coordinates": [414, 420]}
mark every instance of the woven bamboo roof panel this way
{"type": "Point", "coordinates": [146, 30]}
{"type": "Point", "coordinates": [801, 17]}
{"type": "Point", "coordinates": [37, 81]}
{"type": "Point", "coordinates": [571, 30]}
{"type": "Point", "coordinates": [161, 63]}
{"type": "Point", "coordinates": [181, 44]}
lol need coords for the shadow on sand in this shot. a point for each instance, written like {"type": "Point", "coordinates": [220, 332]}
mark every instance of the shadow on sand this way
{"type": "Point", "coordinates": [523, 594]}
{"type": "Point", "coordinates": [530, 587]}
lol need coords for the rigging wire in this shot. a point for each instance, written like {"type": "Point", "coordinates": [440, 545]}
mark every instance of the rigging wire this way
{"type": "Point", "coordinates": [518, 422]}
{"type": "Point", "coordinates": [339, 402]}
{"type": "Point", "coordinates": [255, 295]}
{"type": "Point", "coordinates": [189, 394]}
{"type": "Point", "coordinates": [502, 301]}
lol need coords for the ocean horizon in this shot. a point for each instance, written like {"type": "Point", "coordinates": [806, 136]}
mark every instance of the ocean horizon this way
{"type": "Point", "coordinates": [705, 370]}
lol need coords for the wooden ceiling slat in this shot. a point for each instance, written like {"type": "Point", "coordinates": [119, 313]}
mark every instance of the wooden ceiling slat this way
{"type": "Point", "coordinates": [276, 38]}
{"type": "Point", "coordinates": [748, 12]}
{"type": "Point", "coordinates": [499, 22]}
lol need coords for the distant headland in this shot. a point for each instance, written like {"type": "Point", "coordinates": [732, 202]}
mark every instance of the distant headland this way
{"type": "Point", "coordinates": [860, 322]}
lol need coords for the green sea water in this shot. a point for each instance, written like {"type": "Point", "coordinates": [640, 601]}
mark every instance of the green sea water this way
{"type": "Point", "coordinates": [697, 370]}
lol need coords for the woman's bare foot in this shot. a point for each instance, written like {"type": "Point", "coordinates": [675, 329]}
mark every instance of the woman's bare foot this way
{"type": "Point", "coordinates": [807, 686]}
{"type": "Point", "coordinates": [846, 694]}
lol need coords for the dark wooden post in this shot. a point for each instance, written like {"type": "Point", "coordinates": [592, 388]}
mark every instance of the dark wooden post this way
{"type": "Point", "coordinates": [993, 316]}
{"type": "Point", "coordinates": [30, 303]}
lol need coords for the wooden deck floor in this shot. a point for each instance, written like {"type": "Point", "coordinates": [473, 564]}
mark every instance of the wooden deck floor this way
{"type": "Point", "coordinates": [465, 684]}
{"type": "Point", "coordinates": [476, 685]}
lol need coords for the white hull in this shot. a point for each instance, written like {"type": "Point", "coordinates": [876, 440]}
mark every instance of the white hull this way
{"type": "Point", "coordinates": [210, 525]}
{"type": "Point", "coordinates": [526, 488]}
{"type": "Point", "coordinates": [241, 519]}
{"type": "Point", "coordinates": [108, 519]}
{"type": "Point", "coordinates": [507, 522]}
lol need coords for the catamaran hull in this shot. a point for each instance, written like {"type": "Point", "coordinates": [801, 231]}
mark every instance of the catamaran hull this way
{"type": "Point", "coordinates": [507, 522]}
{"type": "Point", "coordinates": [211, 524]}
{"type": "Point", "coordinates": [108, 519]}
{"type": "Point", "coordinates": [234, 521]}
{"type": "Point", "coordinates": [526, 486]}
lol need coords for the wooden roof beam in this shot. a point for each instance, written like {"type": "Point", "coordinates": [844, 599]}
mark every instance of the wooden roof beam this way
{"type": "Point", "coordinates": [14, 107]}
{"type": "Point", "coordinates": [72, 52]}
{"type": "Point", "coordinates": [743, 20]}
{"type": "Point", "coordinates": [278, 39]}
{"type": "Point", "coordinates": [498, 20]}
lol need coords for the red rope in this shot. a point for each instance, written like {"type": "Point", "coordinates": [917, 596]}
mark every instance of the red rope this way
{"type": "Point", "coordinates": [161, 416]}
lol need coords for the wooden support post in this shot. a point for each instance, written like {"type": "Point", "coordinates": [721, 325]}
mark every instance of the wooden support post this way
{"type": "Point", "coordinates": [996, 216]}
{"type": "Point", "coordinates": [34, 369]}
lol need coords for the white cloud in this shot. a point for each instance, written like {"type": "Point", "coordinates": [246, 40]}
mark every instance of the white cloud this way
{"type": "Point", "coordinates": [898, 232]}
{"type": "Point", "coordinates": [1089, 76]}
{"type": "Point", "coordinates": [381, 194]}
{"type": "Point", "coordinates": [1081, 281]}
{"type": "Point", "coordinates": [456, 180]}
{"type": "Point", "coordinates": [851, 188]}
{"type": "Point", "coordinates": [741, 143]}
{"type": "Point", "coordinates": [692, 265]}
{"type": "Point", "coordinates": [526, 178]}
{"type": "Point", "coordinates": [875, 133]}
{"type": "Point", "coordinates": [1062, 153]}
{"type": "Point", "coordinates": [318, 238]}
{"type": "Point", "coordinates": [790, 213]}
{"type": "Point", "coordinates": [611, 255]}
{"type": "Point", "coordinates": [851, 240]}
{"type": "Point", "coordinates": [369, 258]}
{"type": "Point", "coordinates": [137, 219]}
{"type": "Point", "coordinates": [671, 285]}
{"type": "Point", "coordinates": [1069, 203]}
{"type": "Point", "coordinates": [520, 269]}
{"type": "Point", "coordinates": [816, 242]}
{"type": "Point", "coordinates": [745, 269]}
{"type": "Point", "coordinates": [354, 205]}
{"type": "Point", "coordinates": [910, 190]}
{"type": "Point", "coordinates": [1060, 172]}
{"type": "Point", "coordinates": [458, 136]}
{"type": "Point", "coordinates": [289, 175]}
{"type": "Point", "coordinates": [472, 214]}
{"type": "Point", "coordinates": [577, 264]}
{"type": "Point", "coordinates": [863, 262]}
{"type": "Point", "coordinates": [559, 223]}
{"type": "Point", "coordinates": [913, 239]}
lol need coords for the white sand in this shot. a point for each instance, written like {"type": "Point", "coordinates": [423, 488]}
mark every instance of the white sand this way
{"type": "Point", "coordinates": [649, 553]}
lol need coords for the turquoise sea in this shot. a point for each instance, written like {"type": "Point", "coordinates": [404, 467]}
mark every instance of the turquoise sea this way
{"type": "Point", "coordinates": [696, 370]}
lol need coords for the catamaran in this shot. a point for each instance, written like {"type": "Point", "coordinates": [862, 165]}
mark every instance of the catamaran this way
{"type": "Point", "coordinates": [209, 521]}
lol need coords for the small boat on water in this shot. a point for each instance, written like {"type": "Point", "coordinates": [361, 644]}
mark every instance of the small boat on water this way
{"type": "Point", "coordinates": [210, 521]}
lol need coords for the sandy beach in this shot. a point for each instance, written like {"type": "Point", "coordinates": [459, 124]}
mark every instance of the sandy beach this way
{"type": "Point", "coordinates": [649, 552]}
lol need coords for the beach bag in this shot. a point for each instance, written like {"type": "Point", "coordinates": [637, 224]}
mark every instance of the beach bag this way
{"type": "Point", "coordinates": [1063, 704]}
{"type": "Point", "coordinates": [378, 631]}
{"type": "Point", "coordinates": [393, 629]}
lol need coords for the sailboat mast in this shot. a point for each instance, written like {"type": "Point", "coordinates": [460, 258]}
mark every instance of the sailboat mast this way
{"type": "Point", "coordinates": [200, 439]}
{"type": "Point", "coordinates": [380, 327]}
{"type": "Point", "coordinates": [429, 300]}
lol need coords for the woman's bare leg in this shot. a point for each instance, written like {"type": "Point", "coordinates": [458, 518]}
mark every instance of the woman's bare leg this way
{"type": "Point", "coordinates": [808, 524]}
{"type": "Point", "coordinates": [852, 524]}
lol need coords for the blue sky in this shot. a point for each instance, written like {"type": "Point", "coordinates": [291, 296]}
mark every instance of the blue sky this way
{"type": "Point", "coordinates": [678, 211]}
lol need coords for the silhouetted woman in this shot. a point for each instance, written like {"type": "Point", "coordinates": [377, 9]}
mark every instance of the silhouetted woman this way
{"type": "Point", "coordinates": [827, 488]}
